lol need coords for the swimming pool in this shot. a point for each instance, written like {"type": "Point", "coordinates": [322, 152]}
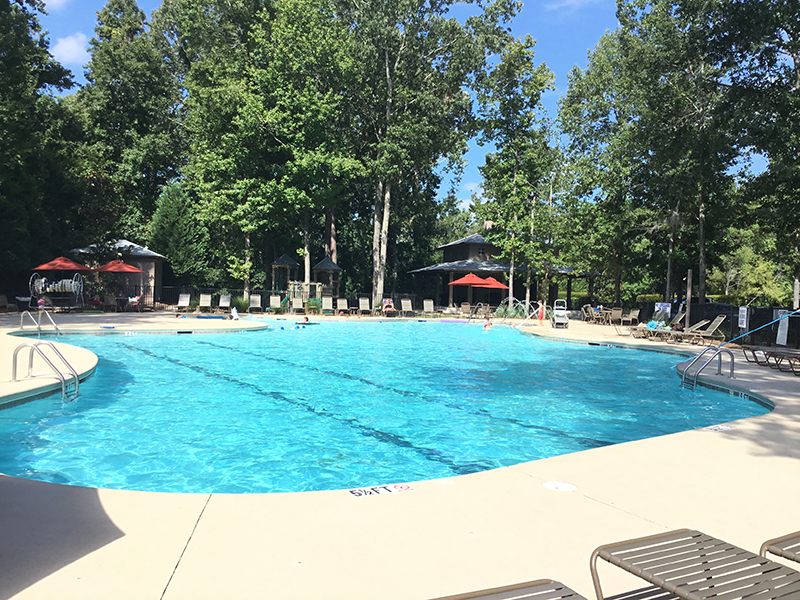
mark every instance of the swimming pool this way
{"type": "Point", "coordinates": [343, 405]}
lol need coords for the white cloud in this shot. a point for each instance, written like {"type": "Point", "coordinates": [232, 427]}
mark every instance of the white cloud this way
{"type": "Point", "coordinates": [471, 186]}
{"type": "Point", "coordinates": [71, 50]}
{"type": "Point", "coordinates": [570, 5]}
{"type": "Point", "coordinates": [55, 4]}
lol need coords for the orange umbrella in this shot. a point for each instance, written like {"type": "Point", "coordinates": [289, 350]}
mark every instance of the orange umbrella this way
{"type": "Point", "coordinates": [469, 279]}
{"type": "Point", "coordinates": [117, 266]}
{"type": "Point", "coordinates": [62, 263]}
{"type": "Point", "coordinates": [492, 283]}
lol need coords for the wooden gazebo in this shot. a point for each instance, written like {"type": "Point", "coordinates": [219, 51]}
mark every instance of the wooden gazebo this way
{"type": "Point", "coordinates": [284, 262]}
{"type": "Point", "coordinates": [327, 272]}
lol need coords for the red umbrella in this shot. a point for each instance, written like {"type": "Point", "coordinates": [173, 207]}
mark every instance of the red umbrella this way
{"type": "Point", "coordinates": [492, 283]}
{"type": "Point", "coordinates": [469, 279]}
{"type": "Point", "coordinates": [117, 266]}
{"type": "Point", "coordinates": [62, 263]}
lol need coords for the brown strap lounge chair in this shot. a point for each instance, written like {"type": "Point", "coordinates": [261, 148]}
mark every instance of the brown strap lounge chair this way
{"type": "Point", "coordinates": [541, 589]}
{"type": "Point", "coordinates": [700, 336]}
{"type": "Point", "coordinates": [786, 546]}
{"type": "Point", "coordinates": [695, 566]}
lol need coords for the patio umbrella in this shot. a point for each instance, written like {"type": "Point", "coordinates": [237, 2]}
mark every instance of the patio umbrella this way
{"type": "Point", "coordinates": [492, 283]}
{"type": "Point", "coordinates": [117, 266]}
{"type": "Point", "coordinates": [62, 263]}
{"type": "Point", "coordinates": [469, 279]}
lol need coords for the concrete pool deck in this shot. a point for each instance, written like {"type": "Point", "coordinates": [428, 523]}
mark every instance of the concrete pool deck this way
{"type": "Point", "coordinates": [738, 482]}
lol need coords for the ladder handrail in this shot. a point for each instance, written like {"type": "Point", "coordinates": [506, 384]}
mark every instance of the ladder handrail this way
{"type": "Point", "coordinates": [718, 350]}
{"type": "Point", "coordinates": [35, 322]}
{"type": "Point", "coordinates": [34, 347]}
{"type": "Point", "coordinates": [47, 314]}
{"type": "Point", "coordinates": [474, 310]}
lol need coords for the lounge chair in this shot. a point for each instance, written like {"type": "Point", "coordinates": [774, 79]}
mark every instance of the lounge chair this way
{"type": "Point", "coordinates": [184, 300]}
{"type": "Point", "coordinates": [670, 334]}
{"type": "Point", "coordinates": [363, 306]}
{"type": "Point", "coordinates": [695, 566]}
{"type": "Point", "coordinates": [615, 317]}
{"type": "Point", "coordinates": [786, 546]}
{"type": "Point", "coordinates": [696, 335]}
{"type": "Point", "coordinates": [428, 307]}
{"type": "Point", "coordinates": [297, 305]}
{"type": "Point", "coordinates": [274, 303]}
{"type": "Point", "coordinates": [255, 303]}
{"type": "Point", "coordinates": [341, 306]}
{"type": "Point", "coordinates": [631, 317]}
{"type": "Point", "coordinates": [405, 307]}
{"type": "Point", "coordinates": [134, 303]}
{"type": "Point", "coordinates": [5, 306]}
{"type": "Point", "coordinates": [110, 302]}
{"type": "Point", "coordinates": [327, 305]}
{"type": "Point", "coordinates": [541, 589]}
{"type": "Point", "coordinates": [776, 357]}
{"type": "Point", "coordinates": [205, 302]}
{"type": "Point", "coordinates": [387, 308]}
{"type": "Point", "coordinates": [224, 303]}
{"type": "Point", "coordinates": [465, 309]}
{"type": "Point", "coordinates": [588, 313]}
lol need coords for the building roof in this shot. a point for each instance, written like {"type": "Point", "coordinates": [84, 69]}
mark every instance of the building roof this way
{"type": "Point", "coordinates": [326, 264]}
{"type": "Point", "coordinates": [475, 238]}
{"type": "Point", "coordinates": [134, 250]}
{"type": "Point", "coordinates": [285, 261]}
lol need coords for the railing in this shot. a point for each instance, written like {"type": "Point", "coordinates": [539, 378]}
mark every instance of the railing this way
{"type": "Point", "coordinates": [717, 354]}
{"type": "Point", "coordinates": [38, 322]}
{"type": "Point", "coordinates": [34, 347]}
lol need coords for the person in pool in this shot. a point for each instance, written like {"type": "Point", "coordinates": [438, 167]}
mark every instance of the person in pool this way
{"type": "Point", "coordinates": [487, 325]}
{"type": "Point", "coordinates": [303, 322]}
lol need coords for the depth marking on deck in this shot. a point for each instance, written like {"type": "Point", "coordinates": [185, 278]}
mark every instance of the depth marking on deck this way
{"type": "Point", "coordinates": [380, 489]}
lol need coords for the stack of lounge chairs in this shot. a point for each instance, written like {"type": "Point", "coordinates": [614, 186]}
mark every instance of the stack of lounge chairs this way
{"type": "Point", "coordinates": [684, 564]}
{"type": "Point", "coordinates": [776, 357]}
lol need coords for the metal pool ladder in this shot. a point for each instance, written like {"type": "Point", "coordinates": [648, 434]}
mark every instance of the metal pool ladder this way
{"type": "Point", "coordinates": [718, 351]}
{"type": "Point", "coordinates": [35, 347]}
{"type": "Point", "coordinates": [38, 322]}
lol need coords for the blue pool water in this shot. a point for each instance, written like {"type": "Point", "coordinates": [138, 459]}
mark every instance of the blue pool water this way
{"type": "Point", "coordinates": [342, 405]}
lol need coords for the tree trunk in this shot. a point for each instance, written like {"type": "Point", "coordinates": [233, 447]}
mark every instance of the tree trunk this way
{"type": "Point", "coordinates": [701, 241]}
{"type": "Point", "coordinates": [330, 233]}
{"type": "Point", "coordinates": [673, 234]}
{"type": "Point", "coordinates": [378, 265]}
{"type": "Point", "coordinates": [247, 260]}
{"type": "Point", "coordinates": [307, 246]}
{"type": "Point", "coordinates": [387, 204]}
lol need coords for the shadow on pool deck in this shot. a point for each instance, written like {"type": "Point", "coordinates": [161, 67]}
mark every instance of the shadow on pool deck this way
{"type": "Point", "coordinates": [43, 532]}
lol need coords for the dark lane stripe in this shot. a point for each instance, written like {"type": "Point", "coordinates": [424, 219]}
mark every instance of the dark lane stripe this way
{"type": "Point", "coordinates": [480, 412]}
{"type": "Point", "coordinates": [354, 424]}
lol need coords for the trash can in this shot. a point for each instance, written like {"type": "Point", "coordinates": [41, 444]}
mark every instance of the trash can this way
{"type": "Point", "coordinates": [23, 303]}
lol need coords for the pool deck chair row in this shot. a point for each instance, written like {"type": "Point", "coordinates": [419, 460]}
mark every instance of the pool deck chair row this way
{"type": "Point", "coordinates": [541, 589]}
{"type": "Point", "coordinates": [776, 357]}
{"type": "Point", "coordinates": [695, 566]}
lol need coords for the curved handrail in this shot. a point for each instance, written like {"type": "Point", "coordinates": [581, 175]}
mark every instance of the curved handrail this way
{"type": "Point", "coordinates": [718, 350]}
{"type": "Point", "coordinates": [34, 347]}
{"type": "Point", "coordinates": [35, 322]}
{"type": "Point", "coordinates": [49, 318]}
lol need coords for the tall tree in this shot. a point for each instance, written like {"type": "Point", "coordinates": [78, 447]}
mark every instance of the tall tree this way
{"type": "Point", "coordinates": [133, 111]}
{"type": "Point", "coordinates": [27, 110]}
{"type": "Point", "coordinates": [413, 110]}
{"type": "Point", "coordinates": [509, 99]}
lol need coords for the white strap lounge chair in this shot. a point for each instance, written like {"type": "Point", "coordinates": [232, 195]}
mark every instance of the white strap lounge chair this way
{"type": "Point", "coordinates": [184, 300]}
{"type": "Point", "coordinates": [341, 306]}
{"type": "Point", "coordinates": [255, 303]}
{"type": "Point", "coordinates": [427, 307]}
{"type": "Point", "coordinates": [224, 303]}
{"type": "Point", "coordinates": [297, 305]}
{"type": "Point", "coordinates": [406, 308]}
{"type": "Point", "coordinates": [274, 303]}
{"type": "Point", "coordinates": [205, 302]}
{"type": "Point", "coordinates": [363, 306]}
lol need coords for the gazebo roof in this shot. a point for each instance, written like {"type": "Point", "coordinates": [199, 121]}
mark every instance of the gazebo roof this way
{"type": "Point", "coordinates": [466, 266]}
{"type": "Point", "coordinates": [135, 250]}
{"type": "Point", "coordinates": [475, 238]}
{"type": "Point", "coordinates": [285, 261]}
{"type": "Point", "coordinates": [326, 264]}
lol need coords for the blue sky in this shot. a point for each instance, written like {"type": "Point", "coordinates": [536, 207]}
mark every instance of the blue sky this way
{"type": "Point", "coordinates": [565, 31]}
